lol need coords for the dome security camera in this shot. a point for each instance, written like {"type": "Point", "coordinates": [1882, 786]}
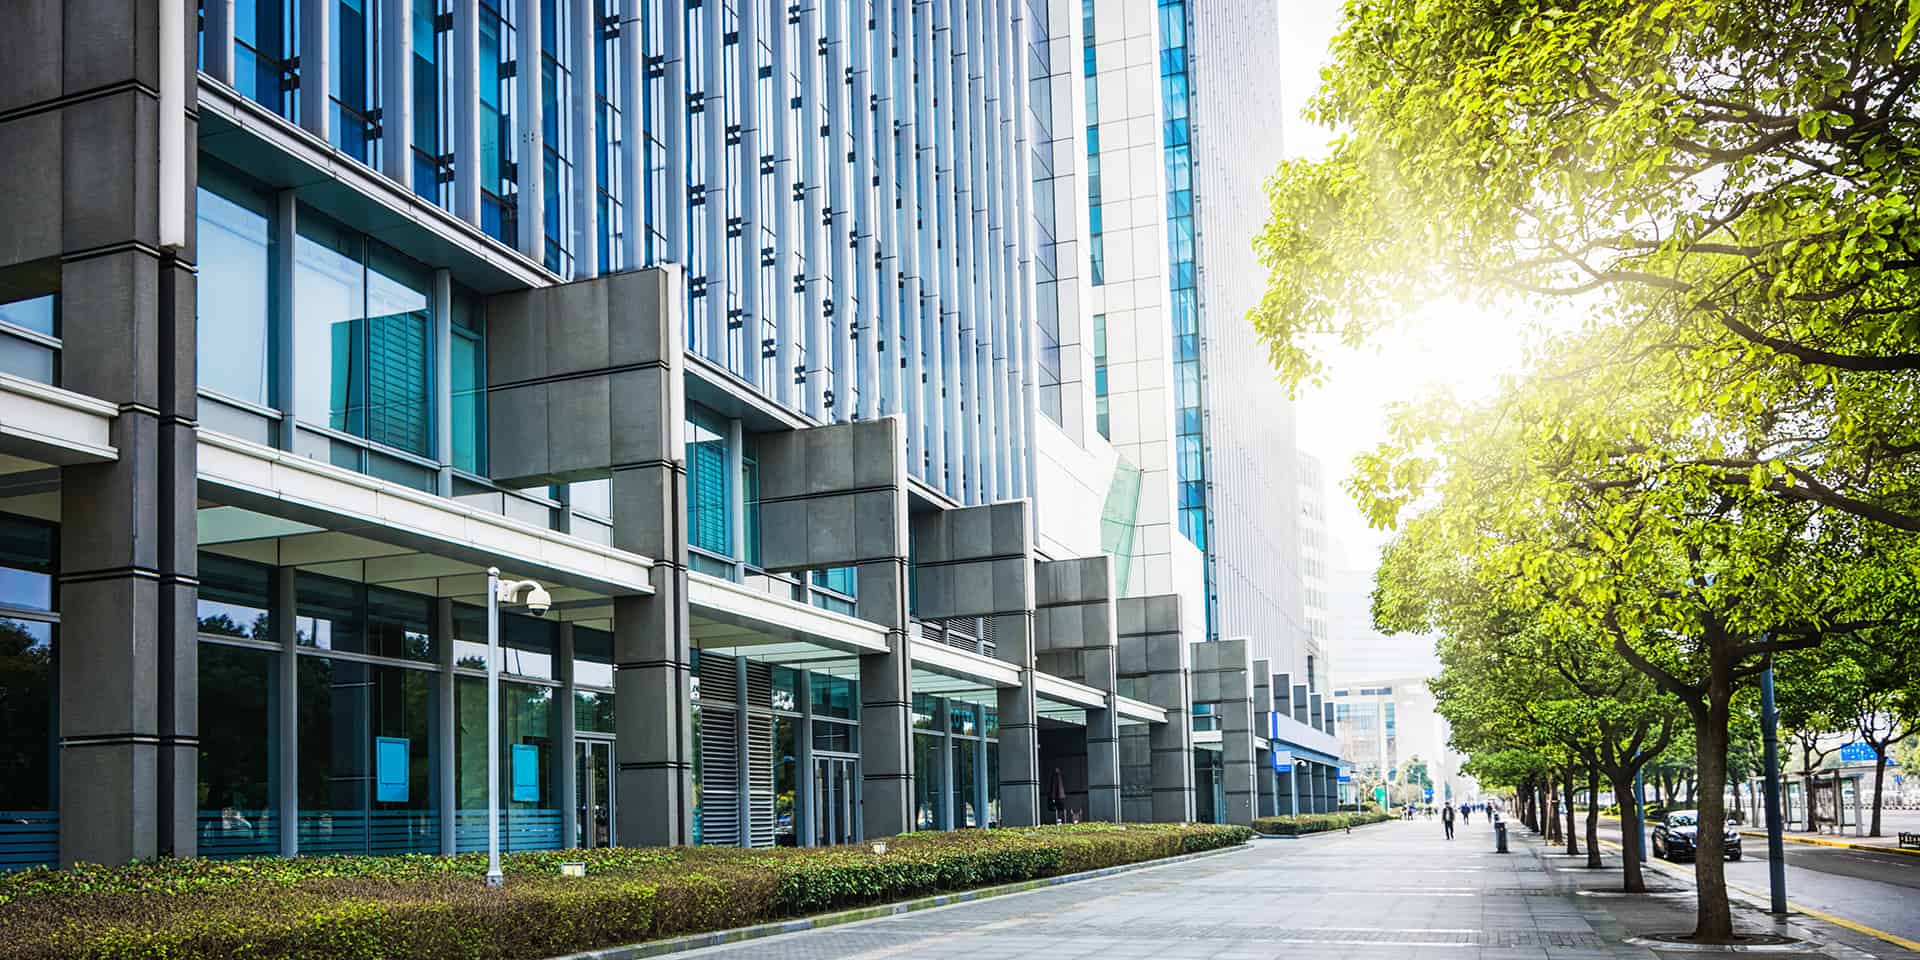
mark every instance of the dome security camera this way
{"type": "Point", "coordinates": [539, 601]}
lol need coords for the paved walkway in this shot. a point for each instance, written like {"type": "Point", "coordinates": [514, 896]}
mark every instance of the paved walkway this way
{"type": "Point", "coordinates": [1396, 890]}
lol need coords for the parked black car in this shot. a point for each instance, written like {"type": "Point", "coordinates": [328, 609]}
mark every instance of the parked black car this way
{"type": "Point", "coordinates": [1676, 836]}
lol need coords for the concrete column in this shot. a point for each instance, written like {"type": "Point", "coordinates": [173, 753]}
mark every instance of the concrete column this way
{"type": "Point", "coordinates": [1222, 676]}
{"type": "Point", "coordinates": [1019, 725]}
{"type": "Point", "coordinates": [836, 496]}
{"type": "Point", "coordinates": [465, 104]}
{"type": "Point", "coordinates": [396, 92]}
{"type": "Point", "coordinates": [1154, 656]}
{"type": "Point", "coordinates": [316, 68]}
{"type": "Point", "coordinates": [886, 702]}
{"type": "Point", "coordinates": [85, 197]}
{"type": "Point", "coordinates": [1075, 638]}
{"type": "Point", "coordinates": [446, 725]}
{"type": "Point", "coordinates": [218, 29]}
{"type": "Point", "coordinates": [1262, 726]}
{"type": "Point", "coordinates": [527, 117]}
{"type": "Point", "coordinates": [563, 739]}
{"type": "Point", "coordinates": [287, 664]}
{"type": "Point", "coordinates": [584, 381]}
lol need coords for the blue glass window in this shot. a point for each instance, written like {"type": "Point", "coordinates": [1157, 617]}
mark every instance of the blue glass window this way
{"type": "Point", "coordinates": [432, 79]}
{"type": "Point", "coordinates": [355, 74]}
{"type": "Point", "coordinates": [709, 521]}
{"type": "Point", "coordinates": [469, 386]}
{"type": "Point", "coordinates": [365, 309]}
{"type": "Point", "coordinates": [234, 241]}
{"type": "Point", "coordinates": [265, 52]}
{"type": "Point", "coordinates": [499, 150]}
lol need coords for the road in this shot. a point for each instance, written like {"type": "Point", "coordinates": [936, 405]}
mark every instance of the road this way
{"type": "Point", "coordinates": [1390, 891]}
{"type": "Point", "coordinates": [1880, 890]}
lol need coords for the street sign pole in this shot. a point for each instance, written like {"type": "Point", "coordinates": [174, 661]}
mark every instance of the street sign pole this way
{"type": "Point", "coordinates": [1776, 844]}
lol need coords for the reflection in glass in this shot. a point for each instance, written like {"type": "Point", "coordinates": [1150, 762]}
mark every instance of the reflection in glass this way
{"type": "Point", "coordinates": [366, 760]}
{"type": "Point", "coordinates": [231, 306]}
{"type": "Point", "coordinates": [29, 808]}
{"type": "Point", "coordinates": [928, 779]}
{"type": "Point", "coordinates": [964, 813]}
{"type": "Point", "coordinates": [239, 705]}
{"type": "Point", "coordinates": [234, 598]}
{"type": "Point", "coordinates": [785, 775]}
{"type": "Point", "coordinates": [529, 807]}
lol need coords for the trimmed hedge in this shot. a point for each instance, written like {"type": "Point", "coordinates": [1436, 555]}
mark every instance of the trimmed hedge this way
{"type": "Point", "coordinates": [1314, 823]}
{"type": "Point", "coordinates": [437, 907]}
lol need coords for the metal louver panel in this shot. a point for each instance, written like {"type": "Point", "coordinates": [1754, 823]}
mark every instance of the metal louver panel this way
{"type": "Point", "coordinates": [760, 754]}
{"type": "Point", "coordinates": [719, 753]}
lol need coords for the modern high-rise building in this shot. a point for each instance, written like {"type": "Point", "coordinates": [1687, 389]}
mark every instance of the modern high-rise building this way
{"type": "Point", "coordinates": [1387, 725]}
{"type": "Point", "coordinates": [840, 369]}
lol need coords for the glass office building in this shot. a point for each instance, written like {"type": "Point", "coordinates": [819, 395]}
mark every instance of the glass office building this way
{"type": "Point", "coordinates": [796, 348]}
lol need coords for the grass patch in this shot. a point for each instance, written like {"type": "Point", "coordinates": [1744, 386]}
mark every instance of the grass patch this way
{"type": "Point", "coordinates": [417, 906]}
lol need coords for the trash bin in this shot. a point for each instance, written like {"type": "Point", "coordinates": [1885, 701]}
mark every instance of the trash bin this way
{"type": "Point", "coordinates": [1499, 836]}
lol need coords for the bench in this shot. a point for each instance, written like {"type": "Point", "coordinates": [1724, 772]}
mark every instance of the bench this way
{"type": "Point", "coordinates": [1910, 840]}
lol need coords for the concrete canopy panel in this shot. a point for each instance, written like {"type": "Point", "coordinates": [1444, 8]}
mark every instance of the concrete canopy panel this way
{"type": "Point", "coordinates": [973, 561]}
{"type": "Point", "coordinates": [833, 496]}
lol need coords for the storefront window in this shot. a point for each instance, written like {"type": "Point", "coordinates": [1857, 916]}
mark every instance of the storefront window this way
{"type": "Point", "coordinates": [526, 643]}
{"type": "Point", "coordinates": [965, 810]}
{"type": "Point", "coordinates": [529, 805]}
{"type": "Point", "coordinates": [366, 758]}
{"type": "Point", "coordinates": [832, 696]}
{"type": "Point", "coordinates": [234, 598]}
{"type": "Point", "coordinates": [928, 781]}
{"type": "Point", "coordinates": [239, 712]}
{"type": "Point", "coordinates": [28, 726]}
{"type": "Point", "coordinates": [786, 766]}
{"type": "Point", "coordinates": [347, 617]}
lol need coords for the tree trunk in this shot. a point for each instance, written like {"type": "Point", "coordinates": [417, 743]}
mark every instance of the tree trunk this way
{"type": "Point", "coordinates": [1879, 776]}
{"type": "Point", "coordinates": [1573, 844]}
{"type": "Point", "coordinates": [1593, 818]}
{"type": "Point", "coordinates": [1632, 878]}
{"type": "Point", "coordinates": [1713, 916]}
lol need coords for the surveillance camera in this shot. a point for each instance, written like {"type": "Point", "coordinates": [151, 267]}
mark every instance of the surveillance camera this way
{"type": "Point", "coordinates": [538, 601]}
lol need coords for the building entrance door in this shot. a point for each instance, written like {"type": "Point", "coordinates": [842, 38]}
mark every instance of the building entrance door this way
{"type": "Point", "coordinates": [593, 783]}
{"type": "Point", "coordinates": [836, 793]}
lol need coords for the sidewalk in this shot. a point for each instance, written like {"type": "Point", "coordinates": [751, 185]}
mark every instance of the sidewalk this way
{"type": "Point", "coordinates": [1387, 891]}
{"type": "Point", "coordinates": [1668, 906]}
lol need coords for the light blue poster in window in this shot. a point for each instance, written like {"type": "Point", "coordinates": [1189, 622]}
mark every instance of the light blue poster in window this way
{"type": "Point", "coordinates": [526, 773]}
{"type": "Point", "coordinates": [390, 769]}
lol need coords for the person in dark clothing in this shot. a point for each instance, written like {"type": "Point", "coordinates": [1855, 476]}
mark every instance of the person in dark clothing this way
{"type": "Point", "coordinates": [1057, 797]}
{"type": "Point", "coordinates": [1446, 819]}
{"type": "Point", "coordinates": [1466, 813]}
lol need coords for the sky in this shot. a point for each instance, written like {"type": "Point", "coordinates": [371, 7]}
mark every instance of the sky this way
{"type": "Point", "coordinates": [1449, 344]}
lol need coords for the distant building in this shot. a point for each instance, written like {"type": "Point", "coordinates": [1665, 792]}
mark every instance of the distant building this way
{"type": "Point", "coordinates": [1384, 725]}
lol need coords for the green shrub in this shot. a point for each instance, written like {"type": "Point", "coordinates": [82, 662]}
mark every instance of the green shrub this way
{"type": "Point", "coordinates": [1305, 823]}
{"type": "Point", "coordinates": [437, 907]}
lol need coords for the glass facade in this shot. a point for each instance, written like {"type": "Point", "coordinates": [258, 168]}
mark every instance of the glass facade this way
{"type": "Point", "coordinates": [366, 309]}
{"type": "Point", "coordinates": [29, 726]}
{"type": "Point", "coordinates": [354, 79]}
{"type": "Point", "coordinates": [956, 775]}
{"type": "Point", "coordinates": [30, 322]}
{"type": "Point", "coordinates": [499, 144]}
{"type": "Point", "coordinates": [432, 67]}
{"type": "Point", "coordinates": [234, 302]}
{"type": "Point", "coordinates": [366, 758]}
{"type": "Point", "coordinates": [1101, 417]}
{"type": "Point", "coordinates": [266, 47]}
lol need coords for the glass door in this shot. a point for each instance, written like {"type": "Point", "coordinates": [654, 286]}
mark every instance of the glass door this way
{"type": "Point", "coordinates": [835, 793]}
{"type": "Point", "coordinates": [593, 785]}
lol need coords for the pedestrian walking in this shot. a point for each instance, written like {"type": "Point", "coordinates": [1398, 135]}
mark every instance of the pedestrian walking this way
{"type": "Point", "coordinates": [1057, 797]}
{"type": "Point", "coordinates": [1446, 819]}
{"type": "Point", "coordinates": [1466, 814]}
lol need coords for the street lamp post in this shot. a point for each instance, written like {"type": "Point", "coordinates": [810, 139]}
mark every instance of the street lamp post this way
{"type": "Point", "coordinates": [537, 602]}
{"type": "Point", "coordinates": [1776, 845]}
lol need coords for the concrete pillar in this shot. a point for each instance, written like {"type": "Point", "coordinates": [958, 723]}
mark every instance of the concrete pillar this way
{"type": "Point", "coordinates": [978, 562]}
{"type": "Point", "coordinates": [1262, 726]}
{"type": "Point", "coordinates": [584, 380]}
{"type": "Point", "coordinates": [1075, 638]}
{"type": "Point", "coordinates": [1154, 656]}
{"type": "Point", "coordinates": [886, 702]}
{"type": "Point", "coordinates": [82, 206]}
{"type": "Point", "coordinates": [565, 723]}
{"type": "Point", "coordinates": [1223, 677]}
{"type": "Point", "coordinates": [836, 496]}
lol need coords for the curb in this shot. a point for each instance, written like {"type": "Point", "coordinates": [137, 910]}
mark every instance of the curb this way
{"type": "Point", "coordinates": [695, 941]}
{"type": "Point", "coordinates": [1846, 844]}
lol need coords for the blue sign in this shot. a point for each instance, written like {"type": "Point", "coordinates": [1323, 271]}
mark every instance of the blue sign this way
{"type": "Point", "coordinates": [1861, 753]}
{"type": "Point", "coordinates": [1429, 794]}
{"type": "Point", "coordinates": [1282, 761]}
{"type": "Point", "coordinates": [526, 773]}
{"type": "Point", "coordinates": [390, 769]}
{"type": "Point", "coordinates": [1346, 774]}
